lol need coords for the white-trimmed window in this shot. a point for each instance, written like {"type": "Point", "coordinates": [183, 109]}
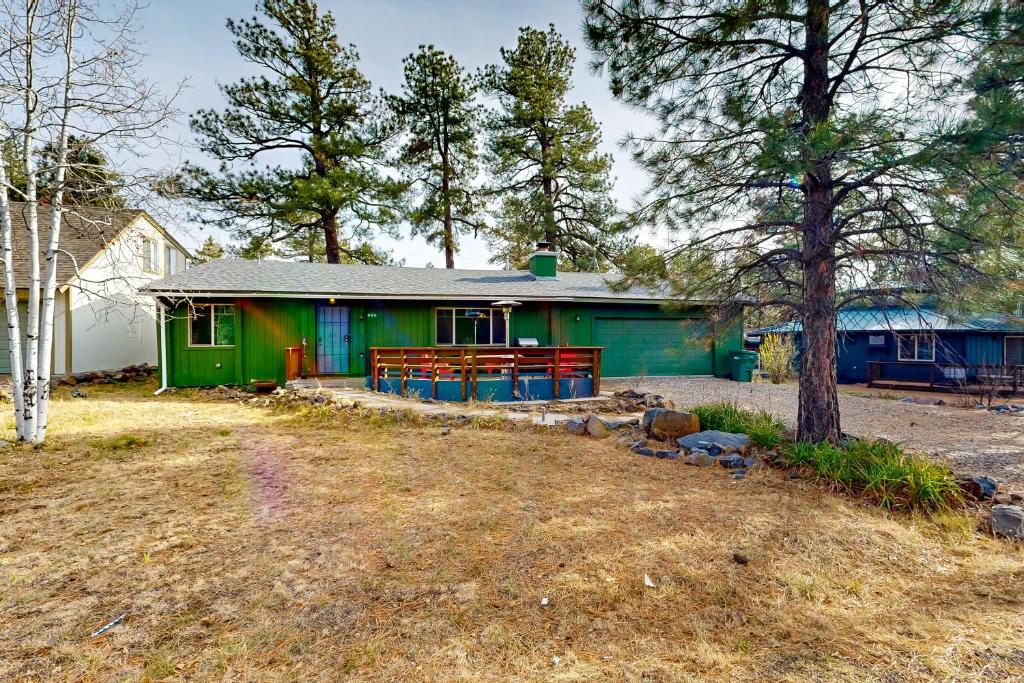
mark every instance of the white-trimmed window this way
{"type": "Point", "coordinates": [150, 256]}
{"type": "Point", "coordinates": [469, 326]}
{"type": "Point", "coordinates": [170, 262]}
{"type": "Point", "coordinates": [916, 347]}
{"type": "Point", "coordinates": [211, 325]}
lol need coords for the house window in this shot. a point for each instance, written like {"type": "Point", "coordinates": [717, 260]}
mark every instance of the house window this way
{"type": "Point", "coordinates": [916, 347]}
{"type": "Point", "coordinates": [170, 263]}
{"type": "Point", "coordinates": [150, 261]}
{"type": "Point", "coordinates": [212, 325]}
{"type": "Point", "coordinates": [470, 326]}
{"type": "Point", "coordinates": [1013, 350]}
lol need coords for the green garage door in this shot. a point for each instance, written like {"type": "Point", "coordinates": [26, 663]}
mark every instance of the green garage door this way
{"type": "Point", "coordinates": [5, 348]}
{"type": "Point", "coordinates": [646, 346]}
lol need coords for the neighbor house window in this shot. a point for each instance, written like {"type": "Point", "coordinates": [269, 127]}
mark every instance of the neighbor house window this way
{"type": "Point", "coordinates": [1014, 351]}
{"type": "Point", "coordinates": [916, 347]}
{"type": "Point", "coordinates": [170, 263]}
{"type": "Point", "coordinates": [470, 326]}
{"type": "Point", "coordinates": [150, 259]}
{"type": "Point", "coordinates": [212, 325]}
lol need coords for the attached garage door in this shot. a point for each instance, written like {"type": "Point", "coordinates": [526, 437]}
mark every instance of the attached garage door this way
{"type": "Point", "coordinates": [644, 346]}
{"type": "Point", "coordinates": [5, 347]}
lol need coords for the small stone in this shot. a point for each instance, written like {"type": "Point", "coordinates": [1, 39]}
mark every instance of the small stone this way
{"type": "Point", "coordinates": [1007, 521]}
{"type": "Point", "coordinates": [740, 557]}
{"type": "Point", "coordinates": [749, 462]}
{"type": "Point", "coordinates": [667, 455]}
{"type": "Point", "coordinates": [647, 452]}
{"type": "Point", "coordinates": [576, 426]}
{"type": "Point", "coordinates": [978, 486]}
{"type": "Point", "coordinates": [71, 379]}
{"type": "Point", "coordinates": [699, 458]}
{"type": "Point", "coordinates": [1017, 497]}
{"type": "Point", "coordinates": [794, 475]}
{"type": "Point", "coordinates": [1002, 499]}
{"type": "Point", "coordinates": [622, 423]}
{"type": "Point", "coordinates": [731, 461]}
{"type": "Point", "coordinates": [739, 474]}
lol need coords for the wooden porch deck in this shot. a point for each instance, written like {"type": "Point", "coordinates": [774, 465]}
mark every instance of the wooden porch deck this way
{"type": "Point", "coordinates": [946, 378]}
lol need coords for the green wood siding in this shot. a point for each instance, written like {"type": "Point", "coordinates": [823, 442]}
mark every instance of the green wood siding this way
{"type": "Point", "coordinates": [265, 327]}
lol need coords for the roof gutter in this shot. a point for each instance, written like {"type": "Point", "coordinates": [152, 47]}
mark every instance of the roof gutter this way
{"type": "Point", "coordinates": [172, 294]}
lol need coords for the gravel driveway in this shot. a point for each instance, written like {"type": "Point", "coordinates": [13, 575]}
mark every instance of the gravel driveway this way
{"type": "Point", "coordinates": [971, 441]}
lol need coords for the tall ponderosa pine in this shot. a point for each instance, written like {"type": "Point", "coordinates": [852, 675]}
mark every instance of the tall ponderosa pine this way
{"type": "Point", "coordinates": [542, 153]}
{"type": "Point", "coordinates": [800, 149]}
{"type": "Point", "coordinates": [314, 108]}
{"type": "Point", "coordinates": [439, 156]}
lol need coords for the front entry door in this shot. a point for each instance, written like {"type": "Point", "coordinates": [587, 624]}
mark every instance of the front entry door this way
{"type": "Point", "coordinates": [332, 337]}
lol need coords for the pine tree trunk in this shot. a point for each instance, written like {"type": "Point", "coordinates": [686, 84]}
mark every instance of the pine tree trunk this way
{"type": "Point", "coordinates": [329, 224]}
{"type": "Point", "coordinates": [818, 413]}
{"type": "Point", "coordinates": [449, 233]}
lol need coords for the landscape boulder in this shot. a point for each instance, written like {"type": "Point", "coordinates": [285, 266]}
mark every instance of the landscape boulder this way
{"type": "Point", "coordinates": [978, 486]}
{"type": "Point", "coordinates": [665, 424]}
{"type": "Point", "coordinates": [1007, 521]}
{"type": "Point", "coordinates": [598, 427]}
{"type": "Point", "coordinates": [714, 442]}
{"type": "Point", "coordinates": [576, 426]}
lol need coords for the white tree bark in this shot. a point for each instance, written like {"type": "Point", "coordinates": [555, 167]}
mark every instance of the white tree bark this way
{"type": "Point", "coordinates": [31, 102]}
{"type": "Point", "coordinates": [11, 302]}
{"type": "Point", "coordinates": [56, 213]}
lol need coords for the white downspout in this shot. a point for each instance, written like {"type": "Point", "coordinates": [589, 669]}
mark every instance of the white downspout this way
{"type": "Point", "coordinates": [163, 349]}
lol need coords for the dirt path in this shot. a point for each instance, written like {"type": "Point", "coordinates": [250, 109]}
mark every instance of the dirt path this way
{"type": "Point", "coordinates": [975, 441]}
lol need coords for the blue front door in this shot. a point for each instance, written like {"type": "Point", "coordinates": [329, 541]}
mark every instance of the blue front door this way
{"type": "Point", "coordinates": [332, 336]}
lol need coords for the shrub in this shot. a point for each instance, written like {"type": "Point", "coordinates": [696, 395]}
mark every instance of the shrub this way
{"type": "Point", "coordinates": [763, 428]}
{"type": "Point", "coordinates": [777, 354]}
{"type": "Point", "coordinates": [881, 471]}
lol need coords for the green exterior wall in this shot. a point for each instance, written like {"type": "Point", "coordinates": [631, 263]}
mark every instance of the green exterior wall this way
{"type": "Point", "coordinates": [265, 327]}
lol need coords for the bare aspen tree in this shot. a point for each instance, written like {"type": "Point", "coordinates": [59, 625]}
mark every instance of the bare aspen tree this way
{"type": "Point", "coordinates": [67, 71]}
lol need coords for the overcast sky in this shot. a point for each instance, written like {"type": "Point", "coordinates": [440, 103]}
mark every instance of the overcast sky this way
{"type": "Point", "coordinates": [187, 40]}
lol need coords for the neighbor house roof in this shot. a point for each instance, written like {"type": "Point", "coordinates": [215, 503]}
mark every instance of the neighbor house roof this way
{"type": "Point", "coordinates": [233, 277]}
{"type": "Point", "coordinates": [84, 233]}
{"type": "Point", "coordinates": [906, 318]}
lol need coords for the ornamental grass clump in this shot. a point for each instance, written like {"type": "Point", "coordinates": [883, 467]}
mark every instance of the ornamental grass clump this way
{"type": "Point", "coordinates": [881, 471]}
{"type": "Point", "coordinates": [763, 428]}
{"type": "Point", "coordinates": [777, 355]}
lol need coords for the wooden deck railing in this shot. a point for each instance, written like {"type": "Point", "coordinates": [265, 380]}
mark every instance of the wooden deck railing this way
{"type": "Point", "coordinates": [468, 365]}
{"type": "Point", "coordinates": [1006, 379]}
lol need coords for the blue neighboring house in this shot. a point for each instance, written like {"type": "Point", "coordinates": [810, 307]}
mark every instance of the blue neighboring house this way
{"type": "Point", "coordinates": [905, 345]}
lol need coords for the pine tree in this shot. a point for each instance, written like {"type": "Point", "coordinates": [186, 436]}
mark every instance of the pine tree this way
{"type": "Point", "coordinates": [212, 250]}
{"type": "Point", "coordinates": [800, 152]}
{"type": "Point", "coordinates": [439, 155]}
{"type": "Point", "coordinates": [89, 179]}
{"type": "Point", "coordinates": [310, 104]}
{"type": "Point", "coordinates": [552, 181]}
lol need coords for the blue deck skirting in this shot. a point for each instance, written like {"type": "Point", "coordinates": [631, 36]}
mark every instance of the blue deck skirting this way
{"type": "Point", "coordinates": [536, 388]}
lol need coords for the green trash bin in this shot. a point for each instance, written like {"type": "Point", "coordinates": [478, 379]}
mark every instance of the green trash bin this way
{"type": "Point", "coordinates": [743, 365]}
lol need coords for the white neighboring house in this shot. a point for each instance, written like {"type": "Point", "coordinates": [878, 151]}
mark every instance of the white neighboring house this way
{"type": "Point", "coordinates": [100, 320]}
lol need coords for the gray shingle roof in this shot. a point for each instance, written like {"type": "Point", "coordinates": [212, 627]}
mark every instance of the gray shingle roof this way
{"type": "Point", "coordinates": [290, 278]}
{"type": "Point", "coordinates": [85, 231]}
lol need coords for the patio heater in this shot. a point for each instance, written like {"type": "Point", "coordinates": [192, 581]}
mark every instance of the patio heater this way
{"type": "Point", "coordinates": [506, 308]}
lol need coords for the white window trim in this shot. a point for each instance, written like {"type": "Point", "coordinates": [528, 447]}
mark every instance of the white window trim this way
{"type": "Point", "coordinates": [151, 261]}
{"type": "Point", "coordinates": [494, 311]}
{"type": "Point", "coordinates": [213, 330]}
{"type": "Point", "coordinates": [916, 337]}
{"type": "Point", "coordinates": [1006, 356]}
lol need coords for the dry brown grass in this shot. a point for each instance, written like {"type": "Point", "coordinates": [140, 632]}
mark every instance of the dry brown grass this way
{"type": "Point", "coordinates": [247, 545]}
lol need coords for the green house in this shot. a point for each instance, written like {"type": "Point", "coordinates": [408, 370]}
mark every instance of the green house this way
{"type": "Point", "coordinates": [236, 322]}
